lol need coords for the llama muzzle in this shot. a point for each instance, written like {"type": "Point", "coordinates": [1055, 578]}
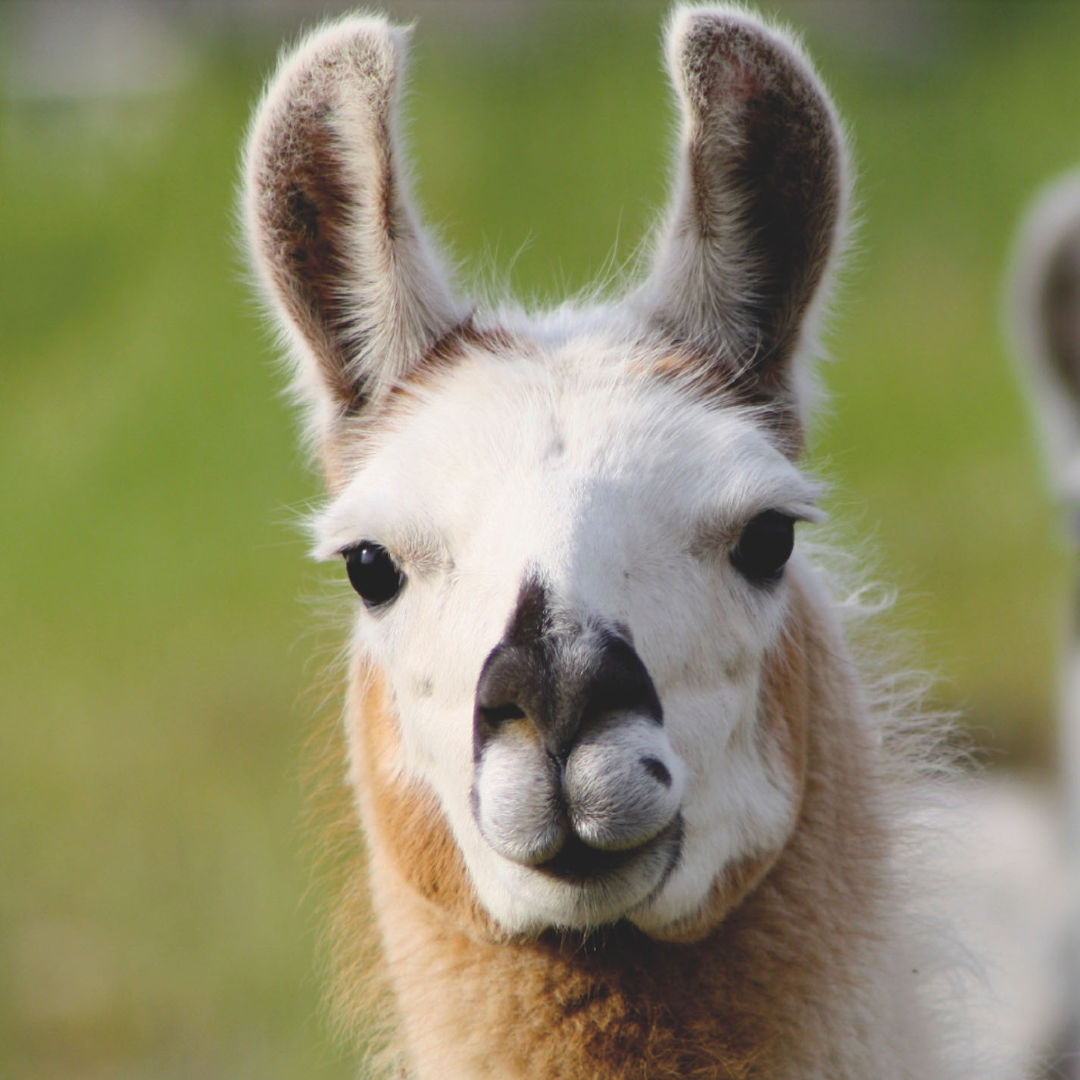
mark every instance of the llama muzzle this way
{"type": "Point", "coordinates": [574, 772]}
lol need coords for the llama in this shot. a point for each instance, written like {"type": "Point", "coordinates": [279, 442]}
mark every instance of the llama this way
{"type": "Point", "coordinates": [629, 808]}
{"type": "Point", "coordinates": [1044, 294]}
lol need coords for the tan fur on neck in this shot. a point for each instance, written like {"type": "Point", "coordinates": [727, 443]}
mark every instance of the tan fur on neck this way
{"type": "Point", "coordinates": [767, 991]}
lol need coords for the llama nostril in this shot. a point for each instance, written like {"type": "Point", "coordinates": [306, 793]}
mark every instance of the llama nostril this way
{"type": "Point", "coordinates": [495, 715]}
{"type": "Point", "coordinates": [657, 770]}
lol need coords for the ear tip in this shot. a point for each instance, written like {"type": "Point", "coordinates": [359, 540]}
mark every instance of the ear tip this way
{"type": "Point", "coordinates": [701, 40]}
{"type": "Point", "coordinates": [687, 19]}
{"type": "Point", "coordinates": [692, 28]}
{"type": "Point", "coordinates": [365, 49]}
{"type": "Point", "coordinates": [358, 53]}
{"type": "Point", "coordinates": [376, 31]}
{"type": "Point", "coordinates": [373, 34]}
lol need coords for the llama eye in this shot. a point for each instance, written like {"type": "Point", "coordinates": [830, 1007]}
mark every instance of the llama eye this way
{"type": "Point", "coordinates": [373, 573]}
{"type": "Point", "coordinates": [764, 547]}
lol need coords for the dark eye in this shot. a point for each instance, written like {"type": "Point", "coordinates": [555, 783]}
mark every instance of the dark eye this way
{"type": "Point", "coordinates": [373, 573]}
{"type": "Point", "coordinates": [764, 547]}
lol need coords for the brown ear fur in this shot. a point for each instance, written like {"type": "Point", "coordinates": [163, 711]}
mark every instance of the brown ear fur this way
{"type": "Point", "coordinates": [759, 206]}
{"type": "Point", "coordinates": [331, 227]}
{"type": "Point", "coordinates": [302, 208]}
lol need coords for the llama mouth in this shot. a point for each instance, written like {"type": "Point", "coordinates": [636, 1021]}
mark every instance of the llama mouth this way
{"type": "Point", "coordinates": [578, 863]}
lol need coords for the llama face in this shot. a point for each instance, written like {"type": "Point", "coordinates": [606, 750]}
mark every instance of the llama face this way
{"type": "Point", "coordinates": [558, 503]}
{"type": "Point", "coordinates": [570, 533]}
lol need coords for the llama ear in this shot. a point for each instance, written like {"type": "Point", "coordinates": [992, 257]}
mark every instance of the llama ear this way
{"type": "Point", "coordinates": [351, 276]}
{"type": "Point", "coordinates": [759, 201]}
{"type": "Point", "coordinates": [1045, 302]}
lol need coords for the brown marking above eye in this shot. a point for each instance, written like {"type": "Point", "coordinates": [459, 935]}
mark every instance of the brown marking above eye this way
{"type": "Point", "coordinates": [710, 378]}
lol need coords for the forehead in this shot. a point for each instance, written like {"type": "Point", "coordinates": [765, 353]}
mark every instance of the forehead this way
{"type": "Point", "coordinates": [549, 432]}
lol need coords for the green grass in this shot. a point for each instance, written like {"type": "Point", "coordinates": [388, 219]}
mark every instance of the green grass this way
{"type": "Point", "coordinates": [154, 681]}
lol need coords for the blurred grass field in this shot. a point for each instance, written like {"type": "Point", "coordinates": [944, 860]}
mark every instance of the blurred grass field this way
{"type": "Point", "coordinates": [156, 673]}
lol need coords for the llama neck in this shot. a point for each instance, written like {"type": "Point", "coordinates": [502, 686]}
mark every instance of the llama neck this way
{"type": "Point", "coordinates": [774, 990]}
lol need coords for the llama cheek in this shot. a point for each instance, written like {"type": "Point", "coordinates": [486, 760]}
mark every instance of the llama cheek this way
{"type": "Point", "coordinates": [732, 808]}
{"type": "Point", "coordinates": [700, 726]}
{"type": "Point", "coordinates": [743, 802]}
{"type": "Point", "coordinates": [435, 748]}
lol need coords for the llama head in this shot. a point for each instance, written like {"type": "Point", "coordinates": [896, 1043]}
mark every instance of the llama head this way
{"type": "Point", "coordinates": [571, 534]}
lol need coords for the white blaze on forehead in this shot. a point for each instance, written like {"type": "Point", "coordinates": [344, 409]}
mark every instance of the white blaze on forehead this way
{"type": "Point", "coordinates": [536, 443]}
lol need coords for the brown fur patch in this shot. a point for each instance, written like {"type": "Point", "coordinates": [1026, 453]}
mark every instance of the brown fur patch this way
{"type": "Point", "coordinates": [715, 382]}
{"type": "Point", "coordinates": [350, 954]}
{"type": "Point", "coordinates": [303, 202]}
{"type": "Point", "coordinates": [404, 821]}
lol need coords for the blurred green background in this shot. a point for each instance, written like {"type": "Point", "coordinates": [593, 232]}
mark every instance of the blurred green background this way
{"type": "Point", "coordinates": [163, 632]}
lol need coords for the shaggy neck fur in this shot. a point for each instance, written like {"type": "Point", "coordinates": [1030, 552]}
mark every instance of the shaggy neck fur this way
{"type": "Point", "coordinates": [774, 988]}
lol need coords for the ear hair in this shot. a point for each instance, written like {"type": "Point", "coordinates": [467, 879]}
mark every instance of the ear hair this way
{"type": "Point", "coordinates": [759, 202]}
{"type": "Point", "coordinates": [350, 275]}
{"type": "Point", "coordinates": [1044, 304]}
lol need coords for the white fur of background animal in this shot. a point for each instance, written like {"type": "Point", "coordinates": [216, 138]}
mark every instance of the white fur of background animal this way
{"type": "Point", "coordinates": [1043, 303]}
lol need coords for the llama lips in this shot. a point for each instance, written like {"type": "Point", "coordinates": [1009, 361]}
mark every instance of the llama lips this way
{"type": "Point", "coordinates": [578, 863]}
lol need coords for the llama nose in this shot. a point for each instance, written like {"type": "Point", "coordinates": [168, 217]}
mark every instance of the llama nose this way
{"type": "Point", "coordinates": [561, 685]}
{"type": "Point", "coordinates": [571, 757]}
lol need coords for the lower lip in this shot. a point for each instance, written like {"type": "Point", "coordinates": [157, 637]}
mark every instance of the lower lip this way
{"type": "Point", "coordinates": [577, 863]}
